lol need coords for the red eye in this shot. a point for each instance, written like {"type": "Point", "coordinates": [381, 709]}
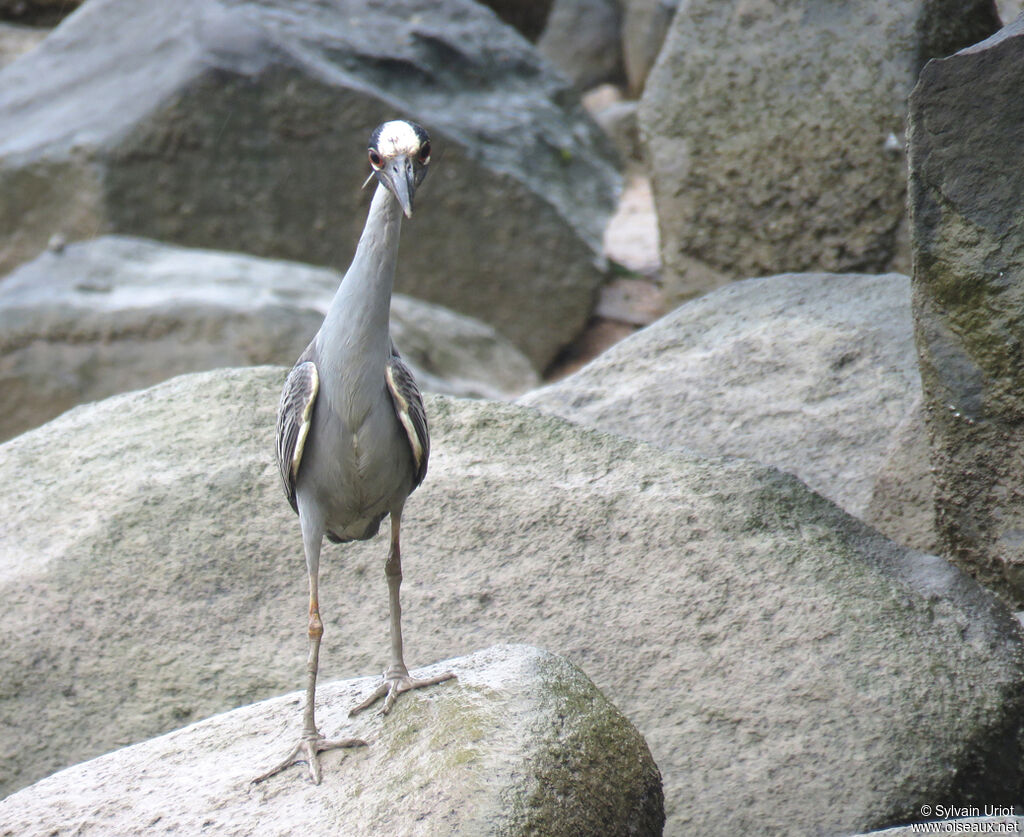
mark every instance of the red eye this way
{"type": "Point", "coordinates": [424, 155]}
{"type": "Point", "coordinates": [375, 159]}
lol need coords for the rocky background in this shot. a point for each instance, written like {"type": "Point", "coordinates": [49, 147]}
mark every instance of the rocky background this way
{"type": "Point", "coordinates": [719, 306]}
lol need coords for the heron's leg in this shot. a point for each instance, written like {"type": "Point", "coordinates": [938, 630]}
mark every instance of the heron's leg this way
{"type": "Point", "coordinates": [315, 632]}
{"type": "Point", "coordinates": [393, 573]}
{"type": "Point", "coordinates": [311, 743]}
{"type": "Point", "coordinates": [396, 677]}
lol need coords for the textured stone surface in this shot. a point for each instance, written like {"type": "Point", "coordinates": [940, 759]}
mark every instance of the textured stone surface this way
{"type": "Point", "coordinates": [521, 744]}
{"type": "Point", "coordinates": [902, 503]}
{"type": "Point", "coordinates": [117, 313]}
{"type": "Point", "coordinates": [619, 122]}
{"type": "Point", "coordinates": [631, 239]}
{"type": "Point", "coordinates": [966, 184]}
{"type": "Point", "coordinates": [810, 373]}
{"type": "Point", "coordinates": [644, 25]}
{"type": "Point", "coordinates": [776, 132]}
{"type": "Point", "coordinates": [582, 39]}
{"type": "Point", "coordinates": [242, 125]}
{"type": "Point", "coordinates": [769, 647]}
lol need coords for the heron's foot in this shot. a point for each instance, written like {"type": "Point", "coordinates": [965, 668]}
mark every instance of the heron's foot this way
{"type": "Point", "coordinates": [397, 681]}
{"type": "Point", "coordinates": [307, 751]}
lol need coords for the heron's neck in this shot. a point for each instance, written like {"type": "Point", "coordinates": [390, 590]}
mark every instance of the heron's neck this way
{"type": "Point", "coordinates": [355, 333]}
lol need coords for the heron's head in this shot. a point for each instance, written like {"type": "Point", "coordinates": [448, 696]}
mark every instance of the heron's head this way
{"type": "Point", "coordinates": [399, 154]}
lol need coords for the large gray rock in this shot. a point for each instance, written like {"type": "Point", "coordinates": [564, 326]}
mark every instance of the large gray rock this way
{"type": "Point", "coordinates": [966, 186]}
{"type": "Point", "coordinates": [582, 39]}
{"type": "Point", "coordinates": [118, 313]}
{"type": "Point", "coordinates": [902, 503]}
{"type": "Point", "coordinates": [242, 125]}
{"type": "Point", "coordinates": [793, 671]}
{"type": "Point", "coordinates": [811, 373]}
{"type": "Point", "coordinates": [644, 25]}
{"type": "Point", "coordinates": [775, 132]}
{"type": "Point", "coordinates": [521, 744]}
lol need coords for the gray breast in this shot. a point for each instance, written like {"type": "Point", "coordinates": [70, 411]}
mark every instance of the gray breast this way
{"type": "Point", "coordinates": [358, 464]}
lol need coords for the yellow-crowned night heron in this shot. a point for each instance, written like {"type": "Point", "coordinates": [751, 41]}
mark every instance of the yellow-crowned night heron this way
{"type": "Point", "coordinates": [352, 439]}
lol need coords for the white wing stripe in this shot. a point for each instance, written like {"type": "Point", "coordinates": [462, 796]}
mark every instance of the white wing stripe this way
{"type": "Point", "coordinates": [405, 418]}
{"type": "Point", "coordinates": [307, 415]}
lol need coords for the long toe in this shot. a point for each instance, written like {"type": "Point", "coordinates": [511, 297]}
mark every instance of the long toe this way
{"type": "Point", "coordinates": [393, 686]}
{"type": "Point", "coordinates": [307, 752]}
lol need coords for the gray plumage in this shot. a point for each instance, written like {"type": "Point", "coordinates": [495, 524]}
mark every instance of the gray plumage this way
{"type": "Point", "coordinates": [297, 414]}
{"type": "Point", "coordinates": [352, 438]}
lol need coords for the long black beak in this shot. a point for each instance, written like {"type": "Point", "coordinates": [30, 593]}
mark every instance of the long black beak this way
{"type": "Point", "coordinates": [402, 179]}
